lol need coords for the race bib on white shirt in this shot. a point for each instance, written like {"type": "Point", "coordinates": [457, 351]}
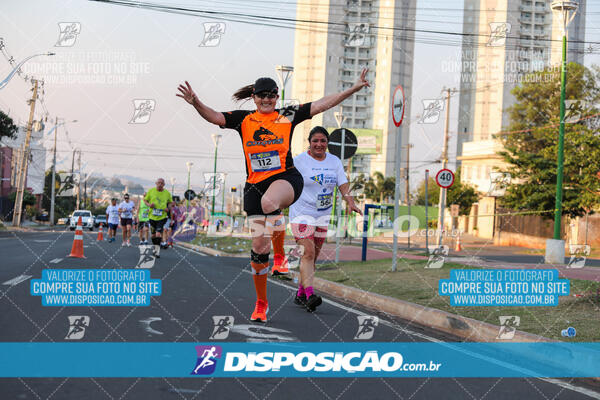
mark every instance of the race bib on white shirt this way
{"type": "Point", "coordinates": [321, 177]}
{"type": "Point", "coordinates": [126, 209]}
{"type": "Point", "coordinates": [265, 161]}
{"type": "Point", "coordinates": [324, 201]}
{"type": "Point", "coordinates": [113, 214]}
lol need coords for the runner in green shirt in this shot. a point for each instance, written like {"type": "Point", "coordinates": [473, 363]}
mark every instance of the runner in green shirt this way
{"type": "Point", "coordinates": [143, 218]}
{"type": "Point", "coordinates": [159, 200]}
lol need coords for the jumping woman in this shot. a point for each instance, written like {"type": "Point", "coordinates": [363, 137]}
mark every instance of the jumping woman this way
{"type": "Point", "coordinates": [272, 183]}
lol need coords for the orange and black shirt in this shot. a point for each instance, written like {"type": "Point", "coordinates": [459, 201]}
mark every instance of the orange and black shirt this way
{"type": "Point", "coordinates": [266, 138]}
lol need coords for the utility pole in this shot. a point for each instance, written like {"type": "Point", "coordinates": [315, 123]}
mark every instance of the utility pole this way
{"type": "Point", "coordinates": [22, 174]}
{"type": "Point", "coordinates": [442, 202]}
{"type": "Point", "coordinates": [53, 181]}
{"type": "Point", "coordinates": [79, 180]}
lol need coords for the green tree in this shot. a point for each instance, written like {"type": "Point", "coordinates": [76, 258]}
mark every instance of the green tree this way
{"type": "Point", "coordinates": [357, 185]}
{"type": "Point", "coordinates": [28, 198]}
{"type": "Point", "coordinates": [531, 143]}
{"type": "Point", "coordinates": [459, 193]}
{"type": "Point", "coordinates": [63, 206]}
{"type": "Point", "coordinates": [7, 127]}
{"type": "Point", "coordinates": [378, 187]}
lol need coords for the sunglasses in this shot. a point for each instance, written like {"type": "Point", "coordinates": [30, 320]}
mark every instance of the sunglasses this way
{"type": "Point", "coordinates": [269, 95]}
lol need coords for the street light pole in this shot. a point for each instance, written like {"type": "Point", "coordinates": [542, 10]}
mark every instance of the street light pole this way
{"type": "Point", "coordinates": [567, 10]}
{"type": "Point", "coordinates": [442, 199]}
{"type": "Point", "coordinates": [12, 73]}
{"type": "Point", "coordinates": [284, 72]}
{"type": "Point", "coordinates": [216, 138]}
{"type": "Point", "coordinates": [555, 249]}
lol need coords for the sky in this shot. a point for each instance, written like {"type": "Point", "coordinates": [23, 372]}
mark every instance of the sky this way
{"type": "Point", "coordinates": [124, 56]}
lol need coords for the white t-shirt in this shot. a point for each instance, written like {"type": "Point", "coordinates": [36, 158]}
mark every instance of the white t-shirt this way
{"type": "Point", "coordinates": [320, 179]}
{"type": "Point", "coordinates": [127, 209]}
{"type": "Point", "coordinates": [113, 214]}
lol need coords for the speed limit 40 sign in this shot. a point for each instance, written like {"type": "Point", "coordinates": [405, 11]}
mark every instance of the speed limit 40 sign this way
{"type": "Point", "coordinates": [444, 178]}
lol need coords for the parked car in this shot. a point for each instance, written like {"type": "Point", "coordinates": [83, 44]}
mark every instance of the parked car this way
{"type": "Point", "coordinates": [100, 219]}
{"type": "Point", "coordinates": [43, 216]}
{"type": "Point", "coordinates": [87, 219]}
{"type": "Point", "coordinates": [63, 221]}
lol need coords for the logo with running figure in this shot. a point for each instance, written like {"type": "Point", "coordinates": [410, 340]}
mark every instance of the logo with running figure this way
{"type": "Point", "coordinates": [222, 325]}
{"type": "Point", "coordinates": [207, 359]}
{"type": "Point", "coordinates": [212, 34]}
{"type": "Point", "coordinates": [68, 33]}
{"type": "Point", "coordinates": [508, 326]}
{"type": "Point", "coordinates": [77, 325]}
{"type": "Point", "coordinates": [366, 326]}
{"type": "Point", "coordinates": [498, 33]}
{"type": "Point", "coordinates": [142, 110]}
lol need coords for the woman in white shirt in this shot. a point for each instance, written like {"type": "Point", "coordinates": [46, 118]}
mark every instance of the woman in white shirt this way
{"type": "Point", "coordinates": [309, 215]}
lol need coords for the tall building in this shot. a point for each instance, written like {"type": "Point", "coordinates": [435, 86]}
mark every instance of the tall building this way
{"type": "Point", "coordinates": [515, 37]}
{"type": "Point", "coordinates": [341, 38]}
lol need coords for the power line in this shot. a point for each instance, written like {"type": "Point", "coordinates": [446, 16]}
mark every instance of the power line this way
{"type": "Point", "coordinates": [251, 18]}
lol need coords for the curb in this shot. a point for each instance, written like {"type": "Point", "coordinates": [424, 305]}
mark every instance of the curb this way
{"type": "Point", "coordinates": [458, 326]}
{"type": "Point", "coordinates": [455, 325]}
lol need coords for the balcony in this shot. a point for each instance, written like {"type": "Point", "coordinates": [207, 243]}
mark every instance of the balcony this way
{"type": "Point", "coordinates": [526, 8]}
{"type": "Point", "coordinates": [525, 20]}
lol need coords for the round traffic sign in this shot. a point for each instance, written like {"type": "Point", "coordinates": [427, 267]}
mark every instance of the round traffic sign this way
{"type": "Point", "coordinates": [189, 194]}
{"type": "Point", "coordinates": [398, 103]}
{"type": "Point", "coordinates": [335, 143]}
{"type": "Point", "coordinates": [444, 178]}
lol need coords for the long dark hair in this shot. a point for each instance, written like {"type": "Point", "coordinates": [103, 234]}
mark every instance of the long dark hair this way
{"type": "Point", "coordinates": [243, 93]}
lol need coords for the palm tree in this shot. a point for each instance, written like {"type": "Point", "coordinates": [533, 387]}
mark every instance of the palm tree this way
{"type": "Point", "coordinates": [379, 187]}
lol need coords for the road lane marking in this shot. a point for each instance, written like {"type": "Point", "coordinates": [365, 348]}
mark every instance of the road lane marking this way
{"type": "Point", "coordinates": [15, 281]}
{"type": "Point", "coordinates": [56, 261]}
{"type": "Point", "coordinates": [146, 325]}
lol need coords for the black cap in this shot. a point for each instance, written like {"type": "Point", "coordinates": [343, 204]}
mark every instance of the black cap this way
{"type": "Point", "coordinates": [265, 85]}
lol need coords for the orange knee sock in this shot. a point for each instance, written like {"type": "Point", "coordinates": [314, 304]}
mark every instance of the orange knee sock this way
{"type": "Point", "coordinates": [277, 239]}
{"type": "Point", "coordinates": [260, 279]}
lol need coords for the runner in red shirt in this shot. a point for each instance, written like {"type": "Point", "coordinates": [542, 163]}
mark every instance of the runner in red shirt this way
{"type": "Point", "coordinates": [272, 183]}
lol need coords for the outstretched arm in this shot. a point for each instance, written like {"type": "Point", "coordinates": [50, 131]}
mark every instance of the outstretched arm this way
{"type": "Point", "coordinates": [345, 191]}
{"type": "Point", "coordinates": [333, 100]}
{"type": "Point", "coordinates": [212, 116]}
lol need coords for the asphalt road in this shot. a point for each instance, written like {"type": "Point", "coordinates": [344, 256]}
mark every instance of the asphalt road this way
{"type": "Point", "coordinates": [195, 288]}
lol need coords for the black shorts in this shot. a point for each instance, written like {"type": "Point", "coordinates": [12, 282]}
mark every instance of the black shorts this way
{"type": "Point", "coordinates": [253, 192]}
{"type": "Point", "coordinates": [157, 225]}
{"type": "Point", "coordinates": [126, 221]}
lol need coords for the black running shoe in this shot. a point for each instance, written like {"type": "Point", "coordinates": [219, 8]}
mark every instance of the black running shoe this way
{"type": "Point", "coordinates": [313, 302]}
{"type": "Point", "coordinates": [300, 300]}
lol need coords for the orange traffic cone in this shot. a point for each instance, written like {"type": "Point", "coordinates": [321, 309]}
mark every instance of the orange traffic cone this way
{"type": "Point", "coordinates": [77, 249]}
{"type": "Point", "coordinates": [100, 235]}
{"type": "Point", "coordinates": [458, 247]}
